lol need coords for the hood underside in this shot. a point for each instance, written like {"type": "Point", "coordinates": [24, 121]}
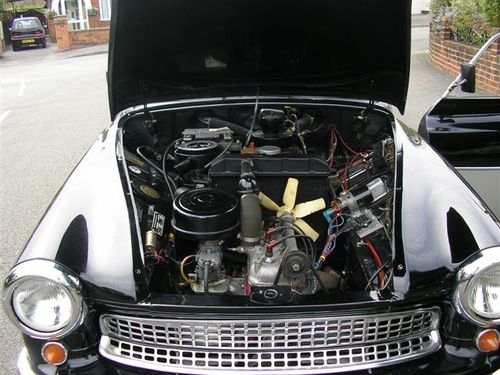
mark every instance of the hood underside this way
{"type": "Point", "coordinates": [168, 49]}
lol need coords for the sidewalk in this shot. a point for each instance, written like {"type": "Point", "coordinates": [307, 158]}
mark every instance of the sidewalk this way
{"type": "Point", "coordinates": [85, 51]}
{"type": "Point", "coordinates": [420, 20]}
{"type": "Point", "coordinates": [49, 54]}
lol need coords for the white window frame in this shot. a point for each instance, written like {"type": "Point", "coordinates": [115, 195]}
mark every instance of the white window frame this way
{"type": "Point", "coordinates": [101, 8]}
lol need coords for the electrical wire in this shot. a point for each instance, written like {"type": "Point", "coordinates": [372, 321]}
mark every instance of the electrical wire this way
{"type": "Point", "coordinates": [250, 131]}
{"type": "Point", "coordinates": [218, 156]}
{"type": "Point", "coordinates": [183, 263]}
{"type": "Point", "coordinates": [283, 239]}
{"type": "Point", "coordinates": [172, 187]}
{"type": "Point", "coordinates": [368, 285]}
{"type": "Point", "coordinates": [345, 144]}
{"type": "Point", "coordinates": [172, 144]}
{"type": "Point", "coordinates": [333, 147]}
{"type": "Point", "coordinates": [168, 179]}
{"type": "Point", "coordinates": [147, 160]}
{"type": "Point", "coordinates": [377, 260]}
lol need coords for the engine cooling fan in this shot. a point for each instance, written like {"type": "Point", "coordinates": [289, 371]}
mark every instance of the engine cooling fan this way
{"type": "Point", "coordinates": [296, 212]}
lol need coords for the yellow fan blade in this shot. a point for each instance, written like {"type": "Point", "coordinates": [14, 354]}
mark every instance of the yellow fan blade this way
{"type": "Point", "coordinates": [290, 194]}
{"type": "Point", "coordinates": [268, 202]}
{"type": "Point", "coordinates": [306, 228]}
{"type": "Point", "coordinates": [307, 208]}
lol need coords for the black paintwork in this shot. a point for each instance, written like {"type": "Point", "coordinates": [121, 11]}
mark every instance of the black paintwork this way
{"type": "Point", "coordinates": [432, 205]}
{"type": "Point", "coordinates": [465, 130]}
{"type": "Point", "coordinates": [76, 228]}
{"type": "Point", "coordinates": [436, 217]}
{"type": "Point", "coordinates": [172, 49]}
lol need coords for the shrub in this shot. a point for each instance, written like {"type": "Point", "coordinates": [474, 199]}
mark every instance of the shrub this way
{"type": "Point", "coordinates": [438, 8]}
{"type": "Point", "coordinates": [491, 10]}
{"type": "Point", "coordinates": [51, 14]}
{"type": "Point", "coordinates": [468, 22]}
{"type": "Point", "coordinates": [92, 11]}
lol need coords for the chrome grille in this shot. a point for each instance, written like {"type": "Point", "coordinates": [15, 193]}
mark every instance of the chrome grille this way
{"type": "Point", "coordinates": [305, 345]}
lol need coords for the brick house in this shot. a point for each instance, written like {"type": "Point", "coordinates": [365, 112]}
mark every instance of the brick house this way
{"type": "Point", "coordinates": [79, 22]}
{"type": "Point", "coordinates": [83, 14]}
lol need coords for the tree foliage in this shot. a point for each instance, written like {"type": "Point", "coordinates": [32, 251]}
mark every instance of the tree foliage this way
{"type": "Point", "coordinates": [491, 10]}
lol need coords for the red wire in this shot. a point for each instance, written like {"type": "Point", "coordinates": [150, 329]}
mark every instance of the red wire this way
{"type": "Point", "coordinates": [346, 175]}
{"type": "Point", "coordinates": [332, 146]}
{"type": "Point", "coordinates": [345, 144]}
{"type": "Point", "coordinates": [378, 261]}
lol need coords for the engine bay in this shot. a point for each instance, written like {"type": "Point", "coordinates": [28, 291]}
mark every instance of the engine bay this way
{"type": "Point", "coordinates": [272, 203]}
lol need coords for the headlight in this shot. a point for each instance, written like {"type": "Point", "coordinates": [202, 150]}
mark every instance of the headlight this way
{"type": "Point", "coordinates": [477, 294]}
{"type": "Point", "coordinates": [44, 299]}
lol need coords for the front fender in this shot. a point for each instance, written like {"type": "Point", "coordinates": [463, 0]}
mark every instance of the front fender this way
{"type": "Point", "coordinates": [88, 226]}
{"type": "Point", "coordinates": [441, 220]}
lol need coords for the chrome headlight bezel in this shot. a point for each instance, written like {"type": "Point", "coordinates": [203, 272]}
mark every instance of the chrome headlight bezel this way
{"type": "Point", "coordinates": [469, 272]}
{"type": "Point", "coordinates": [53, 272]}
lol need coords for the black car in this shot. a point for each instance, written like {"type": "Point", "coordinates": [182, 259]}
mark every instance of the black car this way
{"type": "Point", "coordinates": [255, 207]}
{"type": "Point", "coordinates": [27, 32]}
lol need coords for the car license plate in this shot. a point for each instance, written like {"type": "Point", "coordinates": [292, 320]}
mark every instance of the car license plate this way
{"type": "Point", "coordinates": [28, 41]}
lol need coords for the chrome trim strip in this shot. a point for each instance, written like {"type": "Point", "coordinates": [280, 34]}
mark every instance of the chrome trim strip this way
{"type": "Point", "coordinates": [278, 346]}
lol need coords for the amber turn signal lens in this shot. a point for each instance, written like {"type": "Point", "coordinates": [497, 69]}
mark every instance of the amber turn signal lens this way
{"type": "Point", "coordinates": [54, 353]}
{"type": "Point", "coordinates": [488, 341]}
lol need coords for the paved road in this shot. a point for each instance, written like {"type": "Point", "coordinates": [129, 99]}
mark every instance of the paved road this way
{"type": "Point", "coordinates": [52, 107]}
{"type": "Point", "coordinates": [51, 110]}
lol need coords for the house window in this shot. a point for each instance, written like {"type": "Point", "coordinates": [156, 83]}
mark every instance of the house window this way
{"type": "Point", "coordinates": [105, 9]}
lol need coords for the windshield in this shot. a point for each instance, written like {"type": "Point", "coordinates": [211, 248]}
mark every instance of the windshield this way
{"type": "Point", "coordinates": [26, 25]}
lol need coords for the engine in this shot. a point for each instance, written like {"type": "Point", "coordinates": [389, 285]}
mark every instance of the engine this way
{"type": "Point", "coordinates": [274, 209]}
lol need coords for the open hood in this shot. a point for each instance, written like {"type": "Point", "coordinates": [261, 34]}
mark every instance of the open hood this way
{"type": "Point", "coordinates": [169, 49]}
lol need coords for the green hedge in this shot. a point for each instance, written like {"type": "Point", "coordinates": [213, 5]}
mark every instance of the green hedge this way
{"type": "Point", "coordinates": [471, 21]}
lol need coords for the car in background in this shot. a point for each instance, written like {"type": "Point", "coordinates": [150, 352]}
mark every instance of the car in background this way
{"type": "Point", "coordinates": [27, 32]}
{"type": "Point", "coordinates": [465, 130]}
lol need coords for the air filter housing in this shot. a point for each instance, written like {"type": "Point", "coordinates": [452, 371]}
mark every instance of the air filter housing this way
{"type": "Point", "coordinates": [205, 214]}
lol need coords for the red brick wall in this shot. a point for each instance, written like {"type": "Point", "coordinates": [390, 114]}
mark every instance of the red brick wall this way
{"type": "Point", "coordinates": [62, 34]}
{"type": "Point", "coordinates": [448, 55]}
{"type": "Point", "coordinates": [89, 37]}
{"type": "Point", "coordinates": [52, 30]}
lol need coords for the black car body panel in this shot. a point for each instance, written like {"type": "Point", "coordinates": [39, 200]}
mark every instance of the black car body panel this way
{"type": "Point", "coordinates": [109, 262]}
{"type": "Point", "coordinates": [100, 254]}
{"type": "Point", "coordinates": [224, 48]}
{"type": "Point", "coordinates": [465, 130]}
